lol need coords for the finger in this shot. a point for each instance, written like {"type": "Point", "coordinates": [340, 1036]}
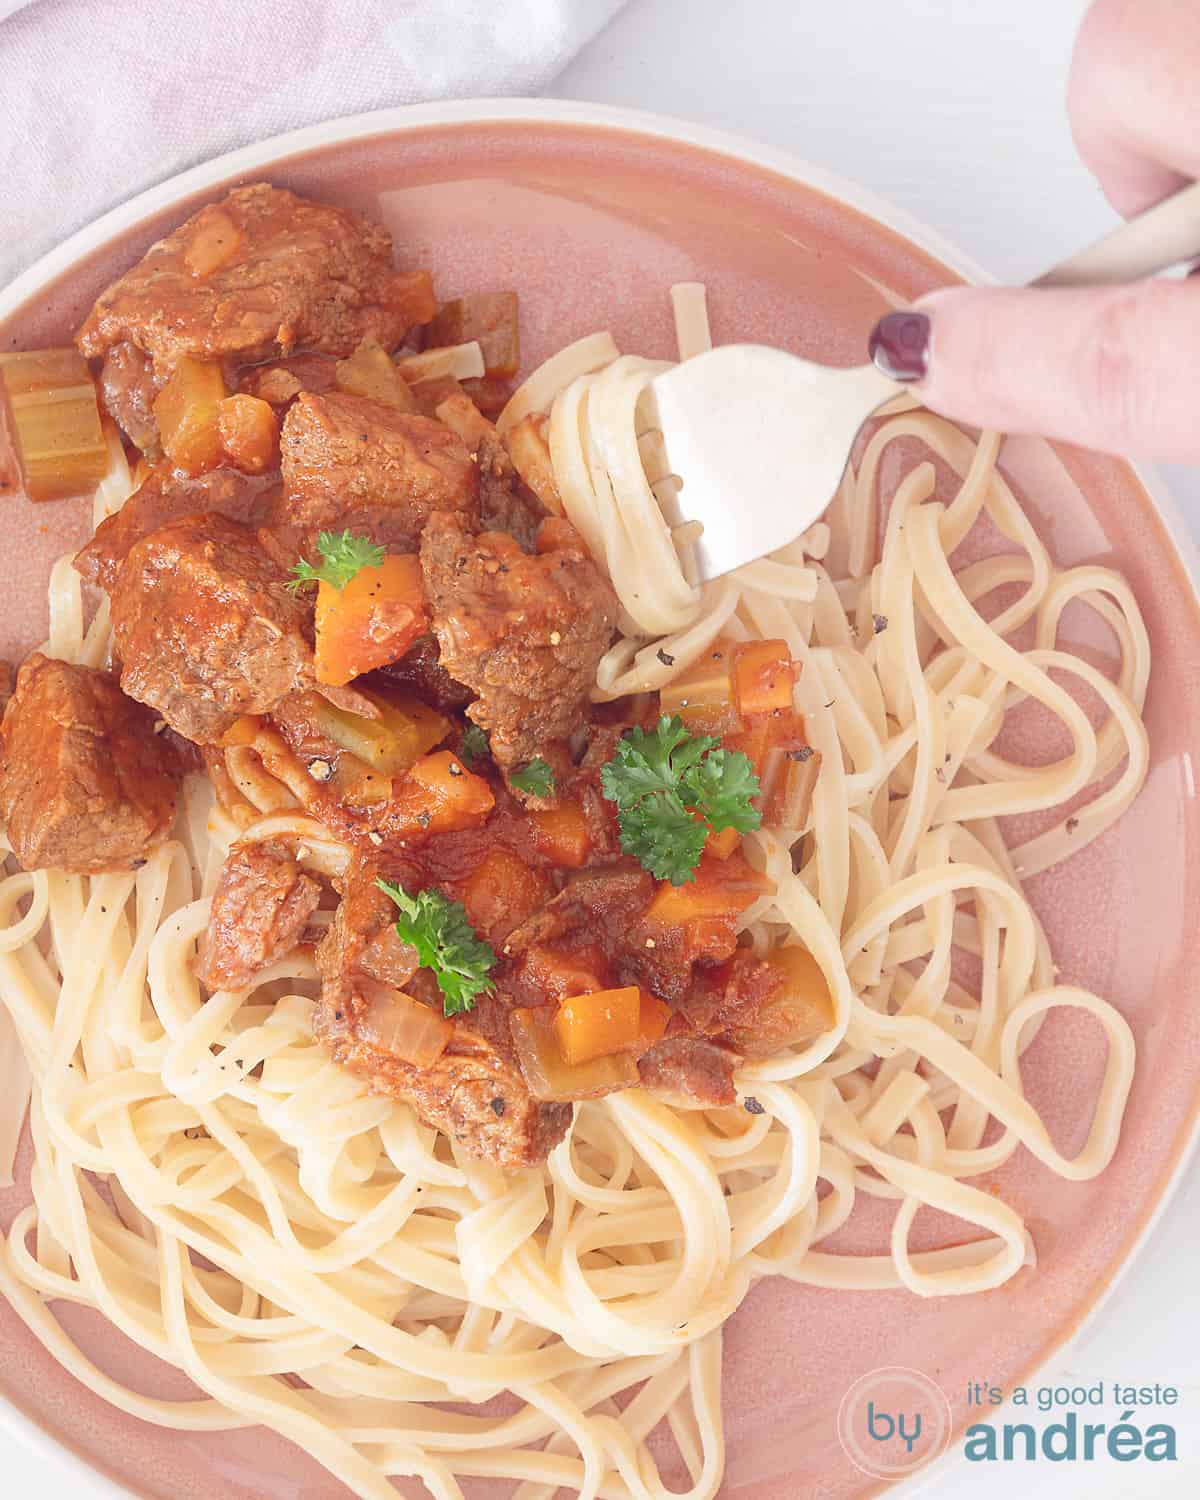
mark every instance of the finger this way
{"type": "Point", "coordinates": [1134, 83]}
{"type": "Point", "coordinates": [1116, 369]}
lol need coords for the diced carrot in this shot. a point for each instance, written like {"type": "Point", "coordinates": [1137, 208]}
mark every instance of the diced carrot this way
{"type": "Point", "coordinates": [490, 318]}
{"type": "Point", "coordinates": [562, 834]}
{"type": "Point", "coordinates": [439, 795]}
{"type": "Point", "coordinates": [702, 694]}
{"type": "Point", "coordinates": [598, 1024]}
{"type": "Point", "coordinates": [501, 891]}
{"type": "Point", "coordinates": [188, 412]}
{"type": "Point", "coordinates": [215, 240]}
{"type": "Point", "coordinates": [370, 372]}
{"type": "Point", "coordinates": [722, 845]}
{"type": "Point", "coordinates": [59, 444]}
{"type": "Point", "coordinates": [763, 676]}
{"type": "Point", "coordinates": [722, 889]}
{"type": "Point", "coordinates": [249, 432]}
{"type": "Point", "coordinates": [548, 1073]}
{"type": "Point", "coordinates": [655, 1017]}
{"type": "Point", "coordinates": [527, 447]}
{"type": "Point", "coordinates": [371, 621]}
{"type": "Point", "coordinates": [763, 733]}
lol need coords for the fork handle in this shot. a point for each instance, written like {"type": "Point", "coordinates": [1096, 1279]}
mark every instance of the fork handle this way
{"type": "Point", "coordinates": [1156, 239]}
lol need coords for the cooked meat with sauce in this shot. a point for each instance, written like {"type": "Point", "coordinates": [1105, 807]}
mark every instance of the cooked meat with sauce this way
{"type": "Point", "coordinates": [258, 275]}
{"type": "Point", "coordinates": [474, 1091]}
{"type": "Point", "coordinates": [524, 632]}
{"type": "Point", "coordinates": [420, 669]}
{"type": "Point", "coordinates": [344, 596]}
{"type": "Point", "coordinates": [260, 909]}
{"type": "Point", "coordinates": [167, 496]}
{"type": "Point", "coordinates": [7, 677]}
{"type": "Point", "coordinates": [362, 939]}
{"type": "Point", "coordinates": [349, 462]}
{"type": "Point", "coordinates": [85, 783]}
{"type": "Point", "coordinates": [205, 626]}
{"type": "Point", "coordinates": [128, 388]}
{"type": "Point", "coordinates": [504, 502]}
{"type": "Point", "coordinates": [688, 1072]}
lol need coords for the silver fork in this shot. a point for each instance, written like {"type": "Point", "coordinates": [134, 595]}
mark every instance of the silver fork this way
{"type": "Point", "coordinates": [760, 438]}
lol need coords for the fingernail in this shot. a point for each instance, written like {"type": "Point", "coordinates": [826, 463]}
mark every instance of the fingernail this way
{"type": "Point", "coordinates": [899, 345]}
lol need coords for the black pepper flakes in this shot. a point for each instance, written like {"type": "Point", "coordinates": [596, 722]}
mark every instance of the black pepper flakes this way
{"type": "Point", "coordinates": [498, 1108]}
{"type": "Point", "coordinates": [454, 768]}
{"type": "Point", "coordinates": [880, 622]}
{"type": "Point", "coordinates": [423, 820]}
{"type": "Point", "coordinates": [751, 1105]}
{"type": "Point", "coordinates": [667, 661]}
{"type": "Point", "coordinates": [804, 753]}
{"type": "Point", "coordinates": [1072, 824]}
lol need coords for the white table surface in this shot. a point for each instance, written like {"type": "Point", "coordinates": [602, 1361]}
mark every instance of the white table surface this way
{"type": "Point", "coordinates": [983, 154]}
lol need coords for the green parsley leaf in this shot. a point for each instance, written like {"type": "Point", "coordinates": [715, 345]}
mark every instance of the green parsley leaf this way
{"type": "Point", "coordinates": [441, 932]}
{"type": "Point", "coordinates": [475, 745]}
{"type": "Point", "coordinates": [670, 788]}
{"type": "Point", "coordinates": [536, 779]}
{"type": "Point", "coordinates": [343, 555]}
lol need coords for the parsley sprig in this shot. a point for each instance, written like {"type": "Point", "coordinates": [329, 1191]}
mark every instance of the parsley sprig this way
{"type": "Point", "coordinates": [343, 555]}
{"type": "Point", "coordinates": [440, 931]}
{"type": "Point", "coordinates": [670, 788]}
{"type": "Point", "coordinates": [535, 779]}
{"type": "Point", "coordinates": [475, 745]}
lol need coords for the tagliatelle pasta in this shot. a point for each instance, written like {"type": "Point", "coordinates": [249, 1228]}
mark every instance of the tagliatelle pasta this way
{"type": "Point", "coordinates": [318, 1261]}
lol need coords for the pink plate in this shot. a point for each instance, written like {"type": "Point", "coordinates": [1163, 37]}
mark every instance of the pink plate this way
{"type": "Point", "coordinates": [590, 214]}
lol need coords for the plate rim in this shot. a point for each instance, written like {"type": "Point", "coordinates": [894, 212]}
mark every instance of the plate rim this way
{"type": "Point", "coordinates": [741, 150]}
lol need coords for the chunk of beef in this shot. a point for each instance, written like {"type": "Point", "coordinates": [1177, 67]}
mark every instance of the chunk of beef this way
{"type": "Point", "coordinates": [420, 670]}
{"type": "Point", "coordinates": [362, 938]}
{"type": "Point", "coordinates": [280, 381]}
{"type": "Point", "coordinates": [350, 462]}
{"type": "Point", "coordinates": [258, 275]}
{"type": "Point", "coordinates": [689, 1073]}
{"type": "Point", "coordinates": [260, 909]}
{"type": "Point", "coordinates": [167, 496]}
{"type": "Point", "coordinates": [741, 1003]}
{"type": "Point", "coordinates": [504, 502]}
{"type": "Point", "coordinates": [525, 632]}
{"type": "Point", "coordinates": [128, 388]}
{"type": "Point", "coordinates": [85, 783]}
{"type": "Point", "coordinates": [474, 1092]}
{"type": "Point", "coordinates": [595, 905]}
{"type": "Point", "coordinates": [205, 626]}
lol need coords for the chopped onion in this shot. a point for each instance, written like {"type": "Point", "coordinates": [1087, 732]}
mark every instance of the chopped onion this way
{"type": "Point", "coordinates": [401, 1025]}
{"type": "Point", "coordinates": [547, 1072]}
{"type": "Point", "coordinates": [463, 361]}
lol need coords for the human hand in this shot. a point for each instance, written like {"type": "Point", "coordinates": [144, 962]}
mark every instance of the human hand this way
{"type": "Point", "coordinates": [1113, 368]}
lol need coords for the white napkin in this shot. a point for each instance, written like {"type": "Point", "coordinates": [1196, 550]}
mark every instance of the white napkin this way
{"type": "Point", "coordinates": [101, 98]}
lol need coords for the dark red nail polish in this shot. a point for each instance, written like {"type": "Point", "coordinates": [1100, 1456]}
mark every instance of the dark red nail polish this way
{"type": "Point", "coordinates": [899, 345]}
